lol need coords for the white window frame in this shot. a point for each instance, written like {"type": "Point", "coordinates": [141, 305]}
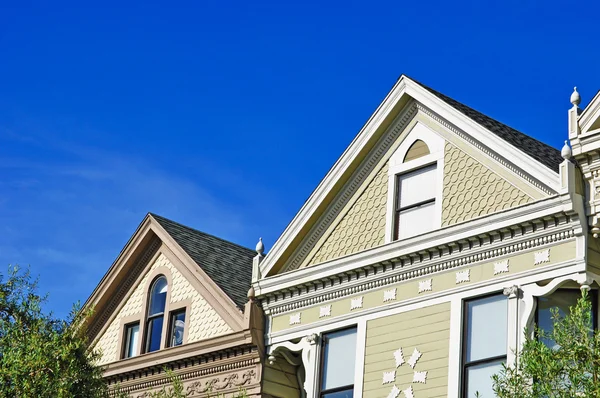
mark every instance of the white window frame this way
{"type": "Point", "coordinates": [397, 166]}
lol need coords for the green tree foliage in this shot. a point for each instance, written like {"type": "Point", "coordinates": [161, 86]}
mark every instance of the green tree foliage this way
{"type": "Point", "coordinates": [45, 357]}
{"type": "Point", "coordinates": [571, 368]}
{"type": "Point", "coordinates": [41, 356]}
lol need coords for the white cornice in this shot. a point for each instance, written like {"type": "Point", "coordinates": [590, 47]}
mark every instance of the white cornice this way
{"type": "Point", "coordinates": [525, 214]}
{"type": "Point", "coordinates": [383, 275]}
{"type": "Point", "coordinates": [404, 87]}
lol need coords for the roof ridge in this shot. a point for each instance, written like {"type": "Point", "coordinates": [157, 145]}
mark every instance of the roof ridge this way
{"type": "Point", "coordinates": [201, 232]}
{"type": "Point", "coordinates": [546, 154]}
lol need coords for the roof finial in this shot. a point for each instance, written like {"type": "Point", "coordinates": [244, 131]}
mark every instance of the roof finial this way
{"type": "Point", "coordinates": [575, 98]}
{"type": "Point", "coordinates": [251, 294]}
{"type": "Point", "coordinates": [566, 151]}
{"type": "Point", "coordinates": [260, 248]}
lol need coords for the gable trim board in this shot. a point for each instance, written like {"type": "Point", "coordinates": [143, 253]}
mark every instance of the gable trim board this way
{"type": "Point", "coordinates": [150, 234]}
{"type": "Point", "coordinates": [402, 94]}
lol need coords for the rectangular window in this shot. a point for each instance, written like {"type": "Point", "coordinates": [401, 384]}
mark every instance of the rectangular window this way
{"type": "Point", "coordinates": [132, 332]}
{"type": "Point", "coordinates": [176, 328]}
{"type": "Point", "coordinates": [337, 364]}
{"type": "Point", "coordinates": [561, 299]}
{"type": "Point", "coordinates": [415, 202]}
{"type": "Point", "coordinates": [484, 343]}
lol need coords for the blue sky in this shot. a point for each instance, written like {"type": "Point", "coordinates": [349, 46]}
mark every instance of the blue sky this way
{"type": "Point", "coordinates": [225, 115]}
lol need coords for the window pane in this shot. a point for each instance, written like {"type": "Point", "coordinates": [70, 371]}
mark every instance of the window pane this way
{"type": "Point", "coordinates": [177, 328]}
{"type": "Point", "coordinates": [486, 327]}
{"type": "Point", "coordinates": [417, 186]}
{"type": "Point", "coordinates": [158, 296]}
{"type": "Point", "coordinates": [339, 394]}
{"type": "Point", "coordinates": [154, 333]}
{"type": "Point", "coordinates": [338, 359]}
{"type": "Point", "coordinates": [131, 340]}
{"type": "Point", "coordinates": [479, 379]}
{"type": "Point", "coordinates": [560, 299]}
{"type": "Point", "coordinates": [416, 221]}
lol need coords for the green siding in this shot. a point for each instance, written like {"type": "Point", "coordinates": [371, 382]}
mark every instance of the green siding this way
{"type": "Point", "coordinates": [428, 330]}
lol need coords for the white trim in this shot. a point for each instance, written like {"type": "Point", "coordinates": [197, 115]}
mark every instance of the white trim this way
{"type": "Point", "coordinates": [397, 166]}
{"type": "Point", "coordinates": [497, 221]}
{"type": "Point", "coordinates": [568, 268]}
{"type": "Point", "coordinates": [456, 300]}
{"type": "Point", "coordinates": [359, 368]}
{"type": "Point", "coordinates": [404, 87]}
{"type": "Point", "coordinates": [455, 350]}
{"type": "Point", "coordinates": [589, 115]}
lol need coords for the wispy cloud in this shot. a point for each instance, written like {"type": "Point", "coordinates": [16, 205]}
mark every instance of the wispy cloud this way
{"type": "Point", "coordinates": [69, 213]}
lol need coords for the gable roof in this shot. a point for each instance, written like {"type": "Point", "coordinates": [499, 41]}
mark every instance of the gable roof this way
{"type": "Point", "coordinates": [543, 153]}
{"type": "Point", "coordinates": [500, 141]}
{"type": "Point", "coordinates": [228, 264]}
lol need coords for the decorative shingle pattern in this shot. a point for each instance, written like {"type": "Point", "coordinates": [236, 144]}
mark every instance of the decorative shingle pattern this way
{"type": "Point", "coordinates": [472, 190]}
{"type": "Point", "coordinates": [363, 227]}
{"type": "Point", "coordinates": [204, 321]}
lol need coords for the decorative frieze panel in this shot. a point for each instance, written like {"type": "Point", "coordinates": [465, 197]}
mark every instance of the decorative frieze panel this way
{"type": "Point", "coordinates": [210, 374]}
{"type": "Point", "coordinates": [325, 311]}
{"type": "Point", "coordinates": [542, 257]}
{"type": "Point", "coordinates": [501, 267]}
{"type": "Point", "coordinates": [425, 286]}
{"type": "Point", "coordinates": [295, 318]}
{"type": "Point", "coordinates": [356, 303]}
{"type": "Point", "coordinates": [389, 295]}
{"type": "Point", "coordinates": [375, 295]}
{"type": "Point", "coordinates": [463, 276]}
{"type": "Point", "coordinates": [415, 265]}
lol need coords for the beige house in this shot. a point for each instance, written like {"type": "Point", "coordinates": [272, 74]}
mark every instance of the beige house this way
{"type": "Point", "coordinates": [176, 299]}
{"type": "Point", "coordinates": [430, 247]}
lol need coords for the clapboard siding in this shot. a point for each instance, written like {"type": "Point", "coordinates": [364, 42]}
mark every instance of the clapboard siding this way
{"type": "Point", "coordinates": [426, 329]}
{"type": "Point", "coordinates": [280, 380]}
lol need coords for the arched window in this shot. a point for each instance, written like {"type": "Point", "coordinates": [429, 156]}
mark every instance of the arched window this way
{"type": "Point", "coordinates": [156, 313]}
{"type": "Point", "coordinates": [415, 184]}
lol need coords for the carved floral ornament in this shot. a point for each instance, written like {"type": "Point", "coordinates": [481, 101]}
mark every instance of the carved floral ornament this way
{"type": "Point", "coordinates": [418, 376]}
{"type": "Point", "coordinates": [231, 381]}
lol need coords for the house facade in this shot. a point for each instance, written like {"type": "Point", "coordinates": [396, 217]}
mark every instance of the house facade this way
{"type": "Point", "coordinates": [178, 300]}
{"type": "Point", "coordinates": [427, 252]}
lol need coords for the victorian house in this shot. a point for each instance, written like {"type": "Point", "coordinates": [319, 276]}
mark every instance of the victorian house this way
{"type": "Point", "coordinates": [425, 254]}
{"type": "Point", "coordinates": [176, 299]}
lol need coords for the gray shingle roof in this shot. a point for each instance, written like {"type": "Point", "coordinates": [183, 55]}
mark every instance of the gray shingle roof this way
{"type": "Point", "coordinates": [229, 265]}
{"type": "Point", "coordinates": [543, 153]}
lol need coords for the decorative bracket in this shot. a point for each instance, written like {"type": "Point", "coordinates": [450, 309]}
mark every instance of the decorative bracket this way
{"type": "Point", "coordinates": [307, 348]}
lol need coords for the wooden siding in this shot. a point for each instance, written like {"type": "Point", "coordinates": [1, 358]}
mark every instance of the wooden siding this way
{"type": "Point", "coordinates": [426, 329]}
{"type": "Point", "coordinates": [280, 380]}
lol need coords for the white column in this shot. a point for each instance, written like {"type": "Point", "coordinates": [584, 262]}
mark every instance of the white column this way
{"type": "Point", "coordinates": [513, 327]}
